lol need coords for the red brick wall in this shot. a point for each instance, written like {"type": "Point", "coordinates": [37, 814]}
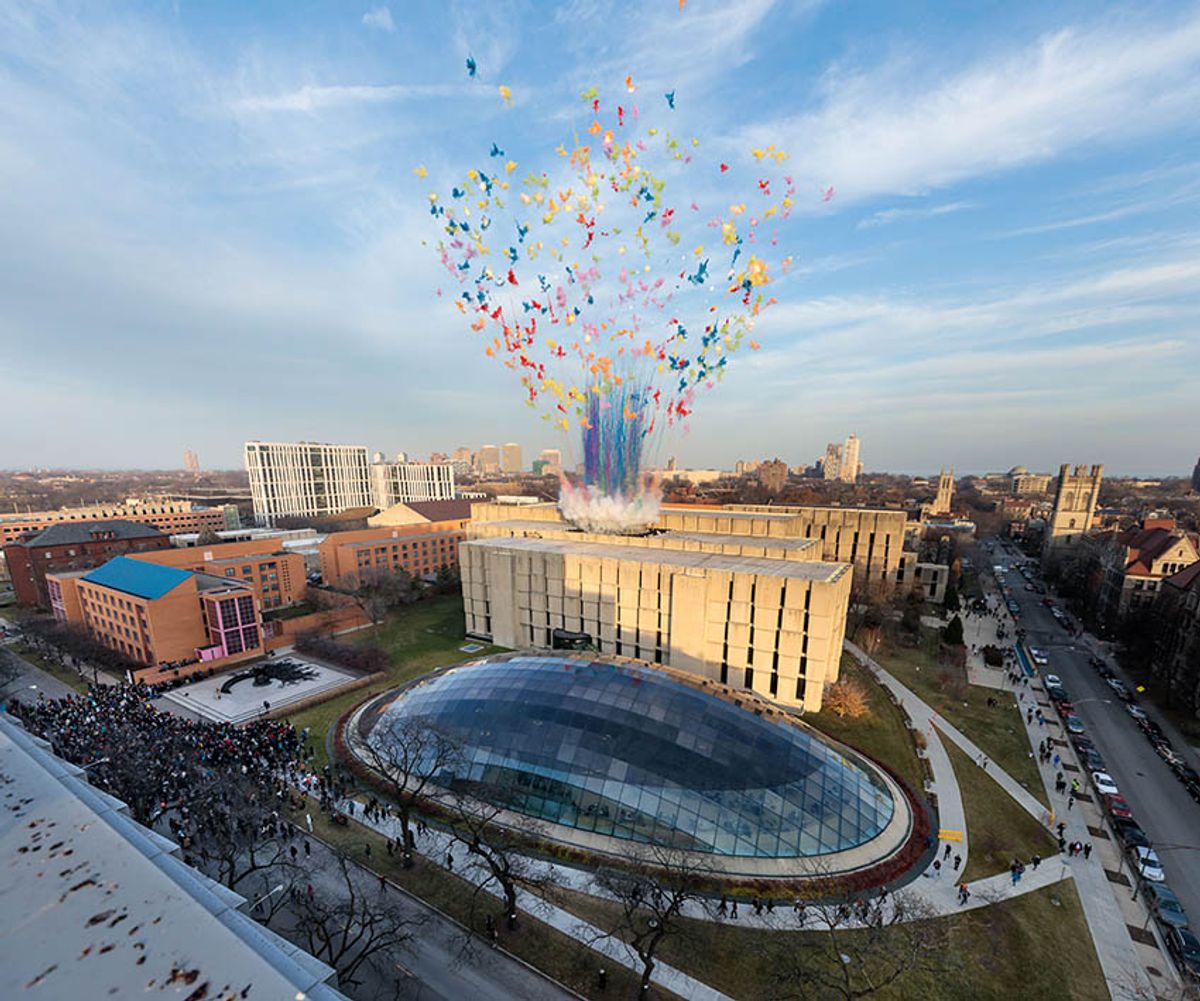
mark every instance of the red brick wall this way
{"type": "Point", "coordinates": [28, 565]}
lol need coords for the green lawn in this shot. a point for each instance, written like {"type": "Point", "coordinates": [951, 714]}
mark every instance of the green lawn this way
{"type": "Point", "coordinates": [68, 676]}
{"type": "Point", "coordinates": [881, 734]}
{"type": "Point", "coordinates": [998, 730]}
{"type": "Point", "coordinates": [418, 638]}
{"type": "Point", "coordinates": [1036, 945]}
{"type": "Point", "coordinates": [999, 830]}
{"type": "Point", "coordinates": [565, 959]}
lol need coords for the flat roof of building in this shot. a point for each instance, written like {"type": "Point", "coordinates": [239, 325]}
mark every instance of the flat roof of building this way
{"type": "Point", "coordinates": [100, 906]}
{"type": "Point", "coordinates": [137, 577]}
{"type": "Point", "coordinates": [787, 543]}
{"type": "Point", "coordinates": [809, 570]}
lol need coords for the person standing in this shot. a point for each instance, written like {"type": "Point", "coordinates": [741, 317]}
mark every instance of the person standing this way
{"type": "Point", "coordinates": [1087, 850]}
{"type": "Point", "coordinates": [308, 821]}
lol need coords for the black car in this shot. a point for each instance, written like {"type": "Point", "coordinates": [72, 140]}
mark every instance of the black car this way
{"type": "Point", "coordinates": [1093, 762]}
{"type": "Point", "coordinates": [1149, 728]}
{"type": "Point", "coordinates": [1130, 834]}
{"type": "Point", "coordinates": [1186, 773]}
{"type": "Point", "coordinates": [1082, 743]}
{"type": "Point", "coordinates": [1185, 947]}
{"type": "Point", "coordinates": [1057, 693]}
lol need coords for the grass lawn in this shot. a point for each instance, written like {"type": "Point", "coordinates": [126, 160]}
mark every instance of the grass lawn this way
{"type": "Point", "coordinates": [68, 676]}
{"type": "Point", "coordinates": [418, 639]}
{"type": "Point", "coordinates": [997, 730]}
{"type": "Point", "coordinates": [565, 959]}
{"type": "Point", "coordinates": [880, 734]}
{"type": "Point", "coordinates": [1037, 945]}
{"type": "Point", "coordinates": [999, 830]}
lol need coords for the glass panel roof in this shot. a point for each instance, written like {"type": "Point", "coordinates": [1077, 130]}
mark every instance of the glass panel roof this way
{"type": "Point", "coordinates": [628, 751]}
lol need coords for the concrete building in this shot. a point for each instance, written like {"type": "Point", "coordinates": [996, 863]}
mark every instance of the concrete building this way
{"type": "Point", "coordinates": [735, 600]}
{"type": "Point", "coordinates": [306, 479]}
{"type": "Point", "coordinates": [1074, 507]}
{"type": "Point", "coordinates": [79, 546]}
{"type": "Point", "coordinates": [158, 615]}
{"type": "Point", "coordinates": [171, 516]}
{"type": "Point", "coordinates": [276, 576]}
{"type": "Point", "coordinates": [1135, 563]}
{"type": "Point", "coordinates": [850, 466]}
{"type": "Point", "coordinates": [551, 459]}
{"type": "Point", "coordinates": [191, 462]}
{"type": "Point", "coordinates": [773, 475]}
{"type": "Point", "coordinates": [348, 559]}
{"type": "Point", "coordinates": [402, 483]}
{"type": "Point", "coordinates": [179, 930]}
{"type": "Point", "coordinates": [487, 460]}
{"type": "Point", "coordinates": [831, 467]}
{"type": "Point", "coordinates": [461, 462]}
{"type": "Point", "coordinates": [870, 539]}
{"type": "Point", "coordinates": [1027, 484]}
{"type": "Point", "coordinates": [510, 458]}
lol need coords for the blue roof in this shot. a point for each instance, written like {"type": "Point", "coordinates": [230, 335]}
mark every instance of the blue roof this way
{"type": "Point", "coordinates": [137, 577]}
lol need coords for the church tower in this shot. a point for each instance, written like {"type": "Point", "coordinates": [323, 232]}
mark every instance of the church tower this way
{"type": "Point", "coordinates": [943, 503]}
{"type": "Point", "coordinates": [1074, 508]}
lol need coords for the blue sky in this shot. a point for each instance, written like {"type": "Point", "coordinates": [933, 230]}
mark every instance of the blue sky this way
{"type": "Point", "coordinates": [210, 231]}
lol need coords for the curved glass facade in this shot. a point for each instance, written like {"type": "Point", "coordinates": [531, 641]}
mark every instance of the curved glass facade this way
{"type": "Point", "coordinates": [630, 752]}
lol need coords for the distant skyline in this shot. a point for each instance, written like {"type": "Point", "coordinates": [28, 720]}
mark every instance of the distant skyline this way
{"type": "Point", "coordinates": [210, 230]}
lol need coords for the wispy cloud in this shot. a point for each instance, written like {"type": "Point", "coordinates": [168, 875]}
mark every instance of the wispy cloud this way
{"type": "Point", "coordinates": [380, 18]}
{"type": "Point", "coordinates": [312, 97]}
{"type": "Point", "coordinates": [885, 217]}
{"type": "Point", "coordinates": [889, 130]}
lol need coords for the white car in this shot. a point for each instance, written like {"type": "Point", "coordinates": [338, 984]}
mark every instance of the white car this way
{"type": "Point", "coordinates": [1149, 865]}
{"type": "Point", "coordinates": [1039, 656]}
{"type": "Point", "coordinates": [1053, 681]}
{"type": "Point", "coordinates": [1137, 712]}
{"type": "Point", "coordinates": [1104, 784]}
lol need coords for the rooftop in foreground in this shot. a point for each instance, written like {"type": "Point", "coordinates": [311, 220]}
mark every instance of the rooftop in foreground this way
{"type": "Point", "coordinates": [98, 906]}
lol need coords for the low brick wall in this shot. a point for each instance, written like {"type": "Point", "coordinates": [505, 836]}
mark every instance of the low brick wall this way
{"type": "Point", "coordinates": [334, 620]}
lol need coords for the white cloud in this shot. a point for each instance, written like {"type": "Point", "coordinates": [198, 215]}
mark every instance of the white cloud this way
{"type": "Point", "coordinates": [313, 97]}
{"type": "Point", "coordinates": [892, 130]}
{"type": "Point", "coordinates": [379, 17]}
{"type": "Point", "coordinates": [886, 216]}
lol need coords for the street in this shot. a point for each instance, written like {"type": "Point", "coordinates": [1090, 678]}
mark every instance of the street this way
{"type": "Point", "coordinates": [1160, 804]}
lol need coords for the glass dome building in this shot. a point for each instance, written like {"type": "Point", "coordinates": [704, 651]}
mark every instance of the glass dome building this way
{"type": "Point", "coordinates": [628, 751]}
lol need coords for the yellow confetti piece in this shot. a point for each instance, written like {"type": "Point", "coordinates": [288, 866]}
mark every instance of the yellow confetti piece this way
{"type": "Point", "coordinates": [421, 172]}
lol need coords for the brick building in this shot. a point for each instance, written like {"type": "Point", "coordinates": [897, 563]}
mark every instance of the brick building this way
{"type": "Point", "coordinates": [159, 615]}
{"type": "Point", "coordinates": [1134, 563]}
{"type": "Point", "coordinates": [1177, 636]}
{"type": "Point", "coordinates": [171, 516]}
{"type": "Point", "coordinates": [274, 575]}
{"type": "Point", "coordinates": [419, 550]}
{"type": "Point", "coordinates": [67, 546]}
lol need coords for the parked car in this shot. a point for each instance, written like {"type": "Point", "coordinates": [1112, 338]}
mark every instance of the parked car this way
{"type": "Point", "coordinates": [1186, 773]}
{"type": "Point", "coordinates": [1129, 833]}
{"type": "Point", "coordinates": [1169, 756]}
{"type": "Point", "coordinates": [1165, 905]}
{"type": "Point", "coordinates": [1149, 727]}
{"type": "Point", "coordinates": [1116, 685]}
{"type": "Point", "coordinates": [1093, 762]}
{"type": "Point", "coordinates": [1117, 807]}
{"type": "Point", "coordinates": [1136, 712]}
{"type": "Point", "coordinates": [1104, 784]}
{"type": "Point", "coordinates": [1074, 724]}
{"type": "Point", "coordinates": [1057, 693]}
{"type": "Point", "coordinates": [1082, 743]}
{"type": "Point", "coordinates": [1039, 656]}
{"type": "Point", "coordinates": [1148, 864]}
{"type": "Point", "coordinates": [1185, 947]}
{"type": "Point", "coordinates": [1054, 680]}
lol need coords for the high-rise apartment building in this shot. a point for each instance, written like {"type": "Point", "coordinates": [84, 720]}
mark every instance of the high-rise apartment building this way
{"type": "Point", "coordinates": [831, 468]}
{"type": "Point", "coordinates": [306, 479]}
{"type": "Point", "coordinates": [403, 483]}
{"type": "Point", "coordinates": [510, 458]}
{"type": "Point", "coordinates": [1074, 507]}
{"type": "Point", "coordinates": [773, 475]}
{"type": "Point", "coordinates": [487, 460]}
{"type": "Point", "coordinates": [848, 473]}
{"type": "Point", "coordinates": [191, 462]}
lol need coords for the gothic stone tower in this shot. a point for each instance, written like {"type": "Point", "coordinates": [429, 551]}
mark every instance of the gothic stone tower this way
{"type": "Point", "coordinates": [943, 503]}
{"type": "Point", "coordinates": [1074, 506]}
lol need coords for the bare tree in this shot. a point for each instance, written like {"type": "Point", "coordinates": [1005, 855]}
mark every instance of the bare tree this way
{"type": "Point", "coordinates": [412, 758]}
{"type": "Point", "coordinates": [347, 929]}
{"type": "Point", "coordinates": [652, 887]}
{"type": "Point", "coordinates": [862, 947]}
{"type": "Point", "coordinates": [501, 841]}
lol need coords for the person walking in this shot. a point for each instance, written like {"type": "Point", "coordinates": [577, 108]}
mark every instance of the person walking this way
{"type": "Point", "coordinates": [1036, 860]}
{"type": "Point", "coordinates": [1070, 801]}
{"type": "Point", "coordinates": [947, 853]}
{"type": "Point", "coordinates": [1087, 850]}
{"type": "Point", "coordinates": [964, 894]}
{"type": "Point", "coordinates": [937, 870]}
{"type": "Point", "coordinates": [957, 862]}
{"type": "Point", "coordinates": [308, 821]}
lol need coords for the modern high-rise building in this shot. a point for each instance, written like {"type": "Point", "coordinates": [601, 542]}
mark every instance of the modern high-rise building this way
{"type": "Point", "coordinates": [191, 462]}
{"type": "Point", "coordinates": [487, 460]}
{"type": "Point", "coordinates": [773, 475]}
{"type": "Point", "coordinates": [306, 479]}
{"type": "Point", "coordinates": [461, 461]}
{"type": "Point", "coordinates": [510, 458]}
{"type": "Point", "coordinates": [404, 483]}
{"type": "Point", "coordinates": [848, 473]}
{"type": "Point", "coordinates": [831, 468]}
{"type": "Point", "coordinates": [1074, 507]}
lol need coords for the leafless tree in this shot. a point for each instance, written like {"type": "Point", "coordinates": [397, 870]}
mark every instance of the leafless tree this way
{"type": "Point", "coordinates": [652, 886]}
{"type": "Point", "coordinates": [347, 929]}
{"type": "Point", "coordinates": [500, 840]}
{"type": "Point", "coordinates": [860, 948]}
{"type": "Point", "coordinates": [412, 758]}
